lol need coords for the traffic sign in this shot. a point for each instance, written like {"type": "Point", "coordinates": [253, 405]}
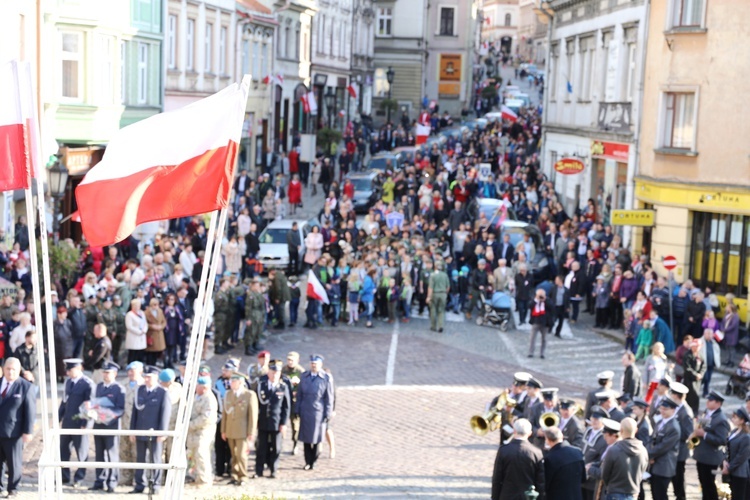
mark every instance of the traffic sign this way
{"type": "Point", "coordinates": [669, 262]}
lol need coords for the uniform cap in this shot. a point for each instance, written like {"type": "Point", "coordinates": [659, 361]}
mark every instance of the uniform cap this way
{"type": "Point", "coordinates": [275, 365]}
{"type": "Point", "coordinates": [714, 395]}
{"type": "Point", "coordinates": [599, 412]}
{"type": "Point", "coordinates": [606, 395]}
{"type": "Point", "coordinates": [317, 358]}
{"type": "Point", "coordinates": [230, 365]}
{"type": "Point", "coordinates": [567, 404]}
{"type": "Point", "coordinates": [667, 381]}
{"type": "Point", "coordinates": [151, 370]}
{"type": "Point", "coordinates": [678, 388]}
{"type": "Point", "coordinates": [623, 398]}
{"type": "Point", "coordinates": [611, 426]}
{"type": "Point", "coordinates": [134, 365]}
{"type": "Point", "coordinates": [605, 375]}
{"type": "Point", "coordinates": [108, 298]}
{"type": "Point", "coordinates": [521, 378]}
{"type": "Point", "coordinates": [110, 366]}
{"type": "Point", "coordinates": [292, 355]}
{"type": "Point", "coordinates": [204, 369]}
{"type": "Point", "coordinates": [72, 363]}
{"type": "Point", "coordinates": [742, 413]}
{"type": "Point", "coordinates": [238, 375]}
{"type": "Point", "coordinates": [668, 403]}
{"type": "Point", "coordinates": [534, 383]}
{"type": "Point", "coordinates": [640, 402]}
{"type": "Point", "coordinates": [167, 375]}
{"type": "Point", "coordinates": [549, 393]}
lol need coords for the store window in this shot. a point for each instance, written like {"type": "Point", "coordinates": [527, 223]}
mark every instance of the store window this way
{"type": "Point", "coordinates": [719, 252]}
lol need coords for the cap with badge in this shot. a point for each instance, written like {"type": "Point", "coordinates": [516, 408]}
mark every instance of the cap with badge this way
{"type": "Point", "coordinates": [275, 365]}
{"type": "Point", "coordinates": [567, 404]}
{"type": "Point", "coordinates": [230, 365]}
{"type": "Point", "coordinates": [534, 383]}
{"type": "Point", "coordinates": [605, 376]}
{"type": "Point", "coordinates": [715, 395]}
{"type": "Point", "coordinates": [640, 402]}
{"type": "Point", "coordinates": [71, 363]}
{"type": "Point", "coordinates": [678, 388]}
{"type": "Point", "coordinates": [204, 369]}
{"type": "Point", "coordinates": [666, 381]}
{"type": "Point", "coordinates": [151, 370]}
{"type": "Point", "coordinates": [611, 426]}
{"type": "Point", "coordinates": [742, 413]}
{"type": "Point", "coordinates": [606, 395]}
{"type": "Point", "coordinates": [623, 398]}
{"type": "Point", "coordinates": [599, 412]}
{"type": "Point", "coordinates": [549, 393]}
{"type": "Point", "coordinates": [110, 366]}
{"type": "Point", "coordinates": [292, 355]}
{"type": "Point", "coordinates": [668, 403]}
{"type": "Point", "coordinates": [521, 378]}
{"type": "Point", "coordinates": [317, 358]}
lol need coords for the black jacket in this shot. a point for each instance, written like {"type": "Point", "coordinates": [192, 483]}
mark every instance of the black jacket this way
{"type": "Point", "coordinates": [77, 319]}
{"type": "Point", "coordinates": [18, 410]}
{"type": "Point", "coordinates": [524, 286]}
{"type": "Point", "coordinates": [631, 382]}
{"type": "Point", "coordinates": [547, 319]}
{"type": "Point", "coordinates": [578, 284]}
{"type": "Point", "coordinates": [274, 407]}
{"type": "Point", "coordinates": [564, 471]}
{"type": "Point", "coordinates": [518, 466]}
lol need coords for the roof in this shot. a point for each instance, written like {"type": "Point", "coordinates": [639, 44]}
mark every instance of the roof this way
{"type": "Point", "coordinates": [255, 6]}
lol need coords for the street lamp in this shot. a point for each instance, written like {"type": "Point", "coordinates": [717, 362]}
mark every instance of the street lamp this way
{"type": "Point", "coordinates": [330, 104]}
{"type": "Point", "coordinates": [319, 81]}
{"type": "Point", "coordinates": [389, 75]}
{"type": "Point", "coordinates": [57, 180]}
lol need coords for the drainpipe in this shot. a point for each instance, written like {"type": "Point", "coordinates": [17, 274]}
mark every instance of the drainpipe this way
{"type": "Point", "coordinates": [545, 100]}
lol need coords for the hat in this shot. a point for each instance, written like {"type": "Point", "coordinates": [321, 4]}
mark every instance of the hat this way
{"type": "Point", "coordinates": [640, 402]}
{"type": "Point", "coordinates": [61, 309]}
{"type": "Point", "coordinates": [521, 378]}
{"type": "Point", "coordinates": [238, 375]}
{"type": "Point", "coordinates": [230, 365]}
{"type": "Point", "coordinates": [678, 388]}
{"type": "Point", "coordinates": [606, 395]}
{"type": "Point", "coordinates": [292, 279]}
{"type": "Point", "coordinates": [108, 298]}
{"type": "Point", "coordinates": [567, 404]}
{"type": "Point", "coordinates": [611, 426]}
{"type": "Point", "coordinates": [623, 398]}
{"type": "Point", "coordinates": [110, 366]}
{"type": "Point", "coordinates": [204, 369]}
{"type": "Point", "coordinates": [714, 395]}
{"type": "Point", "coordinates": [549, 393]}
{"type": "Point", "coordinates": [742, 413]}
{"type": "Point", "coordinates": [599, 412]}
{"type": "Point", "coordinates": [668, 403]}
{"type": "Point", "coordinates": [665, 381]}
{"type": "Point", "coordinates": [317, 358]}
{"type": "Point", "coordinates": [151, 370]}
{"type": "Point", "coordinates": [204, 380]}
{"type": "Point", "coordinates": [292, 354]}
{"type": "Point", "coordinates": [72, 363]}
{"type": "Point", "coordinates": [275, 365]}
{"type": "Point", "coordinates": [605, 375]}
{"type": "Point", "coordinates": [134, 365]}
{"type": "Point", "coordinates": [534, 383]}
{"type": "Point", "coordinates": [167, 375]}
{"type": "Point", "coordinates": [263, 354]}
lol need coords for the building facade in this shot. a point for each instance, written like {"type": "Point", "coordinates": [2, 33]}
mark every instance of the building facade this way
{"type": "Point", "coordinates": [532, 32]}
{"type": "Point", "coordinates": [363, 57]}
{"type": "Point", "coordinates": [694, 159]}
{"type": "Point", "coordinates": [500, 25]}
{"type": "Point", "coordinates": [593, 101]}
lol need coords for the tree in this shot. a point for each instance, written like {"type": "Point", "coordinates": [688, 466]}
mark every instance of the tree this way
{"type": "Point", "coordinates": [63, 262]}
{"type": "Point", "coordinates": [327, 137]}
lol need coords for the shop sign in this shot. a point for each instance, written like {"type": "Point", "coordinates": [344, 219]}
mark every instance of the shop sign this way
{"type": "Point", "coordinates": [610, 151]}
{"type": "Point", "coordinates": [8, 288]}
{"type": "Point", "coordinates": [79, 161]}
{"type": "Point", "coordinates": [693, 197]}
{"type": "Point", "coordinates": [644, 218]}
{"type": "Point", "coordinates": [569, 166]}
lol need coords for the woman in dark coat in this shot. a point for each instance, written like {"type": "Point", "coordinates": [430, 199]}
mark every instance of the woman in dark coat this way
{"type": "Point", "coordinates": [173, 331]}
{"type": "Point", "coordinates": [730, 325]}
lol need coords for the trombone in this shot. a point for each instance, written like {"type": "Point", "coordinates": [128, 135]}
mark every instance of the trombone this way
{"type": "Point", "coordinates": [492, 419]}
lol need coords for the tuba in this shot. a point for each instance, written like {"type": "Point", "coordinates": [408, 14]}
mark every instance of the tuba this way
{"type": "Point", "coordinates": [490, 421]}
{"type": "Point", "coordinates": [549, 419]}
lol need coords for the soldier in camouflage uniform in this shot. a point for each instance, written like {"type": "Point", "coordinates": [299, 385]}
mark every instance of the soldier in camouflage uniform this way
{"type": "Point", "coordinates": [223, 312]}
{"type": "Point", "coordinates": [127, 447]}
{"type": "Point", "coordinates": [201, 431]}
{"type": "Point", "coordinates": [109, 318]}
{"type": "Point", "coordinates": [279, 295]}
{"type": "Point", "coordinates": [93, 318]}
{"type": "Point", "coordinates": [237, 292]}
{"type": "Point", "coordinates": [255, 317]}
{"type": "Point", "coordinates": [291, 374]}
{"type": "Point", "coordinates": [174, 391]}
{"type": "Point", "coordinates": [437, 293]}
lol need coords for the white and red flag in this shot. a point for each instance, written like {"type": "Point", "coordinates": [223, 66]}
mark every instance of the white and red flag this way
{"type": "Point", "coordinates": [15, 120]}
{"type": "Point", "coordinates": [353, 90]}
{"type": "Point", "coordinates": [171, 165]}
{"type": "Point", "coordinates": [423, 132]}
{"type": "Point", "coordinates": [315, 289]}
{"type": "Point", "coordinates": [508, 114]}
{"type": "Point", "coordinates": [309, 104]}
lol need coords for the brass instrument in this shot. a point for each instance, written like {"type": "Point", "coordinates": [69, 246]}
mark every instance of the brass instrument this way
{"type": "Point", "coordinates": [549, 419]}
{"type": "Point", "coordinates": [490, 421]}
{"type": "Point", "coordinates": [693, 440]}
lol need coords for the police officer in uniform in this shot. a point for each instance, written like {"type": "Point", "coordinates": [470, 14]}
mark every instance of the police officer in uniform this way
{"type": "Point", "coordinates": [151, 411]}
{"type": "Point", "coordinates": [709, 454]}
{"type": "Point", "coordinates": [201, 431]}
{"type": "Point", "coordinates": [663, 450]}
{"type": "Point", "coordinates": [437, 293]}
{"type": "Point", "coordinates": [223, 313]}
{"type": "Point", "coordinates": [107, 446]}
{"type": "Point", "coordinates": [684, 416]}
{"type": "Point", "coordinates": [605, 382]}
{"type": "Point", "coordinates": [292, 372]}
{"type": "Point", "coordinates": [315, 403]}
{"type": "Point", "coordinates": [274, 405]}
{"type": "Point", "coordinates": [593, 448]}
{"type": "Point", "coordinates": [238, 424]}
{"type": "Point", "coordinates": [78, 389]}
{"type": "Point", "coordinates": [255, 317]}
{"type": "Point", "coordinates": [127, 447]}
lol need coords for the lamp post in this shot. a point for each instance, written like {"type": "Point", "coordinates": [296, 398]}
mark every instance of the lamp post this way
{"type": "Point", "coordinates": [389, 75]}
{"type": "Point", "coordinates": [57, 180]}
{"type": "Point", "coordinates": [359, 97]}
{"type": "Point", "coordinates": [330, 104]}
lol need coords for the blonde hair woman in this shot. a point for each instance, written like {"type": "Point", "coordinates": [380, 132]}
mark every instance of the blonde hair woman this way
{"type": "Point", "coordinates": [656, 368]}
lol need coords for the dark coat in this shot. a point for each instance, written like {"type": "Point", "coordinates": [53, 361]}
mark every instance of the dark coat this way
{"type": "Point", "coordinates": [315, 405]}
{"type": "Point", "coordinates": [717, 432]}
{"type": "Point", "coordinates": [518, 466]}
{"type": "Point", "coordinates": [663, 449]}
{"type": "Point", "coordinates": [592, 453]}
{"type": "Point", "coordinates": [17, 410]}
{"type": "Point", "coordinates": [694, 367]}
{"type": "Point", "coordinates": [573, 432]}
{"type": "Point", "coordinates": [645, 431]}
{"type": "Point", "coordinates": [564, 471]}
{"type": "Point", "coordinates": [631, 382]}
{"type": "Point", "coordinates": [77, 319]}
{"type": "Point", "coordinates": [76, 393]}
{"type": "Point", "coordinates": [738, 455]}
{"type": "Point", "coordinates": [116, 395]}
{"type": "Point", "coordinates": [274, 406]}
{"type": "Point", "coordinates": [524, 286]}
{"type": "Point", "coordinates": [547, 319]}
{"type": "Point", "coordinates": [578, 284]}
{"type": "Point", "coordinates": [151, 410]}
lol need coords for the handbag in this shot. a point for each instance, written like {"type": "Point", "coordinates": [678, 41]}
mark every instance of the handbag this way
{"type": "Point", "coordinates": [149, 340]}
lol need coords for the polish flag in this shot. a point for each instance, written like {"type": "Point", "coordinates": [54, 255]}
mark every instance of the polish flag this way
{"type": "Point", "coordinates": [14, 169]}
{"type": "Point", "coordinates": [171, 165]}
{"type": "Point", "coordinates": [314, 289]}
{"type": "Point", "coordinates": [305, 103]}
{"type": "Point", "coordinates": [279, 78]}
{"type": "Point", "coordinates": [352, 89]}
{"type": "Point", "coordinates": [312, 103]}
{"type": "Point", "coordinates": [508, 114]}
{"type": "Point", "coordinates": [423, 132]}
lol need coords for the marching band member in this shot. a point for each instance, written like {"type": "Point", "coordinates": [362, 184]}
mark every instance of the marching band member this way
{"type": "Point", "coordinates": [605, 382]}
{"type": "Point", "coordinates": [684, 416]}
{"type": "Point", "coordinates": [548, 404]}
{"type": "Point", "coordinates": [593, 447]}
{"type": "Point", "coordinates": [738, 453]}
{"type": "Point", "coordinates": [713, 431]}
{"type": "Point", "coordinates": [571, 426]}
{"type": "Point", "coordinates": [664, 449]}
{"type": "Point", "coordinates": [606, 400]}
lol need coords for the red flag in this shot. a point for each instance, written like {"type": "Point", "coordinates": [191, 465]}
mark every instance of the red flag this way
{"type": "Point", "coordinates": [423, 132]}
{"type": "Point", "coordinates": [508, 114]}
{"type": "Point", "coordinates": [171, 165]}
{"type": "Point", "coordinates": [305, 104]}
{"type": "Point", "coordinates": [314, 289]}
{"type": "Point", "coordinates": [14, 165]}
{"type": "Point", "coordinates": [352, 89]}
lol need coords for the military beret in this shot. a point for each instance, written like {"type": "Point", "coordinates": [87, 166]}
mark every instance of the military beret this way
{"type": "Point", "coordinates": [134, 365]}
{"type": "Point", "coordinates": [204, 380]}
{"type": "Point", "coordinates": [167, 375]}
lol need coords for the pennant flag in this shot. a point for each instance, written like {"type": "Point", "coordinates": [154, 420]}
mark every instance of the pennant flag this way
{"type": "Point", "coordinates": [305, 104]}
{"type": "Point", "coordinates": [279, 78]}
{"type": "Point", "coordinates": [423, 132]}
{"type": "Point", "coordinates": [171, 165]}
{"type": "Point", "coordinates": [314, 289]}
{"type": "Point", "coordinates": [569, 87]}
{"type": "Point", "coordinates": [508, 114]}
{"type": "Point", "coordinates": [312, 103]}
{"type": "Point", "coordinates": [352, 89]}
{"type": "Point", "coordinates": [14, 169]}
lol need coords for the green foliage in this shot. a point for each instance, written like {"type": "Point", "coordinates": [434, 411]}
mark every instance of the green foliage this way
{"type": "Point", "coordinates": [388, 103]}
{"type": "Point", "coordinates": [489, 92]}
{"type": "Point", "coordinates": [328, 136]}
{"type": "Point", "coordinates": [63, 261]}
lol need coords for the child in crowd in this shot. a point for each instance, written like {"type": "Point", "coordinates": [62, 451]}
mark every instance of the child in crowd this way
{"type": "Point", "coordinates": [354, 285]}
{"type": "Point", "coordinates": [280, 209]}
{"type": "Point", "coordinates": [455, 296]}
{"type": "Point", "coordinates": [334, 297]}
{"type": "Point", "coordinates": [294, 302]}
{"type": "Point", "coordinates": [631, 322]}
{"type": "Point", "coordinates": [407, 291]}
{"type": "Point", "coordinates": [644, 341]}
{"type": "Point", "coordinates": [393, 296]}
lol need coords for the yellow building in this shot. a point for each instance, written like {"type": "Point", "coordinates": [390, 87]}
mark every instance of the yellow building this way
{"type": "Point", "coordinates": [694, 151]}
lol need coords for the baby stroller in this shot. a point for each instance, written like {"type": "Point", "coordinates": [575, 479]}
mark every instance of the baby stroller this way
{"type": "Point", "coordinates": [739, 383]}
{"type": "Point", "coordinates": [496, 311]}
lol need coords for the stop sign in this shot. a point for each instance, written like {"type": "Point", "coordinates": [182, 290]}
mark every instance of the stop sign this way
{"type": "Point", "coordinates": [669, 262]}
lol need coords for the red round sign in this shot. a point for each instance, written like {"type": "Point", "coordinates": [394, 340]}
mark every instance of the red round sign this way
{"type": "Point", "coordinates": [569, 166]}
{"type": "Point", "coordinates": [669, 262]}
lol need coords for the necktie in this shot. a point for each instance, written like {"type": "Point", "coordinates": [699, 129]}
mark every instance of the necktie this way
{"type": "Point", "coordinates": [5, 391]}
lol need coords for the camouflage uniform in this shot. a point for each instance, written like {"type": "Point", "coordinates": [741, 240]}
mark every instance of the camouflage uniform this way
{"type": "Point", "coordinates": [93, 316]}
{"type": "Point", "coordinates": [200, 438]}
{"type": "Point", "coordinates": [279, 295]}
{"type": "Point", "coordinates": [223, 312]}
{"type": "Point", "coordinates": [127, 448]}
{"type": "Point", "coordinates": [109, 318]}
{"type": "Point", "coordinates": [255, 311]}
{"type": "Point", "coordinates": [293, 375]}
{"type": "Point", "coordinates": [174, 391]}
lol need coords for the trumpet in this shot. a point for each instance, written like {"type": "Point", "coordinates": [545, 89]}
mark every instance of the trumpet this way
{"type": "Point", "coordinates": [549, 419]}
{"type": "Point", "coordinates": [491, 420]}
{"type": "Point", "coordinates": [700, 423]}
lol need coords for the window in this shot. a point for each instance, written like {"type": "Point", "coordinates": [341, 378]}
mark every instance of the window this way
{"type": "Point", "coordinates": [679, 120]}
{"type": "Point", "coordinates": [256, 61]}
{"type": "Point", "coordinates": [447, 15]}
{"type": "Point", "coordinates": [630, 72]}
{"type": "Point", "coordinates": [321, 33]}
{"type": "Point", "coordinates": [190, 37]}
{"type": "Point", "coordinates": [507, 20]}
{"type": "Point", "coordinates": [335, 46]}
{"type": "Point", "coordinates": [553, 66]}
{"type": "Point", "coordinates": [570, 47]}
{"type": "Point", "coordinates": [123, 72]}
{"type": "Point", "coordinates": [142, 73]}
{"type": "Point", "coordinates": [687, 13]}
{"type": "Point", "coordinates": [329, 34]}
{"type": "Point", "coordinates": [105, 68]}
{"type": "Point", "coordinates": [172, 42]}
{"type": "Point", "coordinates": [72, 66]}
{"type": "Point", "coordinates": [342, 41]}
{"type": "Point", "coordinates": [719, 252]}
{"type": "Point", "coordinates": [609, 57]}
{"type": "Point", "coordinates": [586, 67]}
{"type": "Point", "coordinates": [296, 44]}
{"type": "Point", "coordinates": [288, 41]}
{"type": "Point", "coordinates": [380, 83]}
{"type": "Point", "coordinates": [208, 49]}
{"type": "Point", "coordinates": [223, 50]}
{"type": "Point", "coordinates": [281, 42]}
{"type": "Point", "coordinates": [385, 21]}
{"type": "Point", "coordinates": [245, 57]}
{"type": "Point", "coordinates": [264, 61]}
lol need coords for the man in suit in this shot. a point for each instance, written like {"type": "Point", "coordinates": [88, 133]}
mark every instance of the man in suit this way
{"type": "Point", "coordinates": [624, 463]}
{"type": "Point", "coordinates": [106, 447]}
{"type": "Point", "coordinates": [564, 469]}
{"type": "Point", "coordinates": [17, 413]}
{"type": "Point", "coordinates": [713, 434]}
{"type": "Point", "coordinates": [78, 389]}
{"type": "Point", "coordinates": [684, 417]}
{"type": "Point", "coordinates": [518, 466]}
{"type": "Point", "coordinates": [238, 424]}
{"type": "Point", "coordinates": [273, 415]}
{"type": "Point", "coordinates": [571, 426]}
{"type": "Point", "coordinates": [593, 447]}
{"type": "Point", "coordinates": [631, 380]}
{"type": "Point", "coordinates": [605, 382]}
{"type": "Point", "coordinates": [151, 410]}
{"type": "Point", "coordinates": [663, 450]}
{"type": "Point", "coordinates": [507, 251]}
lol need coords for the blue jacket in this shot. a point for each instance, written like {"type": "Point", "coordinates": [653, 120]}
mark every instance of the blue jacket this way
{"type": "Point", "coordinates": [367, 293]}
{"type": "Point", "coordinates": [116, 394]}
{"type": "Point", "coordinates": [663, 334]}
{"type": "Point", "coordinates": [151, 410]}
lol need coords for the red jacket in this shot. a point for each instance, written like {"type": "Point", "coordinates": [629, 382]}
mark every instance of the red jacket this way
{"type": "Point", "coordinates": [349, 190]}
{"type": "Point", "coordinates": [293, 161]}
{"type": "Point", "coordinates": [295, 192]}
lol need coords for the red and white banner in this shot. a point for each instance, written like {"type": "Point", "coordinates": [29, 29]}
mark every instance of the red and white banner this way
{"type": "Point", "coordinates": [423, 132]}
{"type": "Point", "coordinates": [171, 165]}
{"type": "Point", "coordinates": [508, 114]}
{"type": "Point", "coordinates": [314, 288]}
{"type": "Point", "coordinates": [424, 118]}
{"type": "Point", "coordinates": [278, 79]}
{"type": "Point", "coordinates": [15, 115]}
{"type": "Point", "coordinates": [309, 104]}
{"type": "Point", "coordinates": [353, 90]}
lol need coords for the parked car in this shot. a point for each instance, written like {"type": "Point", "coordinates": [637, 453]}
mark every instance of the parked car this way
{"type": "Point", "coordinates": [406, 154]}
{"type": "Point", "coordinates": [523, 97]}
{"type": "Point", "coordinates": [365, 192]}
{"type": "Point", "coordinates": [274, 252]}
{"type": "Point", "coordinates": [489, 207]}
{"type": "Point", "coordinates": [381, 160]}
{"type": "Point", "coordinates": [539, 265]}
